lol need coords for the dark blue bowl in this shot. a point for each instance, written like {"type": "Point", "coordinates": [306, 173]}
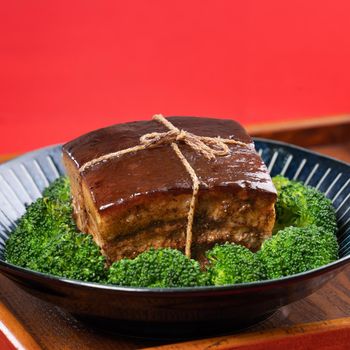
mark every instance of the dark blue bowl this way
{"type": "Point", "coordinates": [175, 312]}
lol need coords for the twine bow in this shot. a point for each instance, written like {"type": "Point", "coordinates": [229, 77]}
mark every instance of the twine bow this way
{"type": "Point", "coordinates": [208, 147]}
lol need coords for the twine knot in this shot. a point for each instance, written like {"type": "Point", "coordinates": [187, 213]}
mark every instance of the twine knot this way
{"type": "Point", "coordinates": [208, 147]}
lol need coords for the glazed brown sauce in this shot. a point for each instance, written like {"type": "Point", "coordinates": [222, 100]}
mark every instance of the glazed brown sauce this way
{"type": "Point", "coordinates": [120, 180]}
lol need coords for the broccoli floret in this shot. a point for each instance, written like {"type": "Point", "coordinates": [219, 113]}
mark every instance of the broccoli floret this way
{"type": "Point", "coordinates": [24, 243]}
{"type": "Point", "coordinates": [47, 240]}
{"type": "Point", "coordinates": [45, 218]}
{"type": "Point", "coordinates": [301, 206]}
{"type": "Point", "coordinates": [231, 263]}
{"type": "Point", "coordinates": [72, 255]}
{"type": "Point", "coordinates": [297, 249]}
{"type": "Point", "coordinates": [59, 190]}
{"type": "Point", "coordinates": [157, 268]}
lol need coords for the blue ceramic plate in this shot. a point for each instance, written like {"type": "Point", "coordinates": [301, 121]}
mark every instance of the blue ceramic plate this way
{"type": "Point", "coordinates": [175, 312]}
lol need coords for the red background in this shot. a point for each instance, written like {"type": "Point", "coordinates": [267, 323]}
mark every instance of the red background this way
{"type": "Point", "coordinates": [71, 66]}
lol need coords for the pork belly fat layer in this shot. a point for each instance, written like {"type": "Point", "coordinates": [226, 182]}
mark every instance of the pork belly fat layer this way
{"type": "Point", "coordinates": [142, 199]}
{"type": "Point", "coordinates": [220, 217]}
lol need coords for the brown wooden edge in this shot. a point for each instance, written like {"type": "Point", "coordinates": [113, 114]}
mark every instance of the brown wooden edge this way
{"type": "Point", "coordinates": [331, 334]}
{"type": "Point", "coordinates": [6, 157]}
{"type": "Point", "coordinates": [306, 132]}
{"type": "Point", "coordinates": [16, 329]}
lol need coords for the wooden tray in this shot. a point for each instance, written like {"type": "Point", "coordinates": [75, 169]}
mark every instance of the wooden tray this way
{"type": "Point", "coordinates": [320, 321]}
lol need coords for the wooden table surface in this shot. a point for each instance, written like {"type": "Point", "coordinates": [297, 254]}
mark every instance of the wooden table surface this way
{"type": "Point", "coordinates": [35, 324]}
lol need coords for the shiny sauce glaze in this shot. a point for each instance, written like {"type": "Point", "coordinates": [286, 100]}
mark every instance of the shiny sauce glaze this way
{"type": "Point", "coordinates": [120, 180]}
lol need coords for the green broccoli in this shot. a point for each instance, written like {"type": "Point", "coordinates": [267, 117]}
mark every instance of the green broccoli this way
{"type": "Point", "coordinates": [157, 268]}
{"type": "Point", "coordinates": [297, 249]}
{"type": "Point", "coordinates": [231, 263]}
{"type": "Point", "coordinates": [43, 219]}
{"type": "Point", "coordinates": [47, 240]}
{"type": "Point", "coordinates": [59, 190]}
{"type": "Point", "coordinates": [301, 206]}
{"type": "Point", "coordinates": [72, 255]}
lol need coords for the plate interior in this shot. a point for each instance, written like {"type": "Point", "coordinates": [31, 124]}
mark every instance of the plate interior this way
{"type": "Point", "coordinates": [23, 179]}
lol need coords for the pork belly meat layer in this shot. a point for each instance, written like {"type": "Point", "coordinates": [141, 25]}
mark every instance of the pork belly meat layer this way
{"type": "Point", "coordinates": [141, 199]}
